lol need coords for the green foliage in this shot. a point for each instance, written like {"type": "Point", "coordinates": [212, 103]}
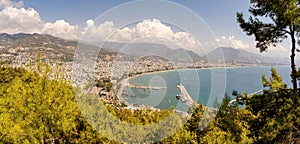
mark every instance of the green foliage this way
{"type": "Point", "coordinates": [108, 86]}
{"type": "Point", "coordinates": [230, 125]}
{"type": "Point", "coordinates": [270, 117]}
{"type": "Point", "coordinates": [276, 117]}
{"type": "Point", "coordinates": [35, 108]}
{"type": "Point", "coordinates": [193, 124]}
{"type": "Point", "coordinates": [191, 132]}
{"type": "Point", "coordinates": [275, 82]}
{"type": "Point", "coordinates": [283, 14]}
{"type": "Point", "coordinates": [284, 21]}
{"type": "Point", "coordinates": [276, 113]}
{"type": "Point", "coordinates": [182, 136]}
{"type": "Point", "coordinates": [105, 83]}
{"type": "Point", "coordinates": [136, 126]}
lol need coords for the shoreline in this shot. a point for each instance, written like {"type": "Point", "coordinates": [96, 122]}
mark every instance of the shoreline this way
{"type": "Point", "coordinates": [125, 82]}
{"type": "Point", "coordinates": [205, 68]}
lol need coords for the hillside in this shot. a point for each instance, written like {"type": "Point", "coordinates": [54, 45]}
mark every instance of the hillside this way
{"type": "Point", "coordinates": [50, 47]}
{"type": "Point", "coordinates": [26, 47]}
{"type": "Point", "coordinates": [232, 55]}
{"type": "Point", "coordinates": [153, 49]}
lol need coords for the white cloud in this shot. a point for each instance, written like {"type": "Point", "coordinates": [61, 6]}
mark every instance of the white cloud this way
{"type": "Point", "coordinates": [61, 29]}
{"type": "Point", "coordinates": [9, 3]}
{"type": "Point", "coordinates": [19, 20]}
{"type": "Point", "coordinates": [98, 33]}
{"type": "Point", "coordinates": [152, 28]}
{"type": "Point", "coordinates": [278, 51]}
{"type": "Point", "coordinates": [278, 47]}
{"type": "Point", "coordinates": [144, 31]}
{"type": "Point", "coordinates": [16, 19]}
{"type": "Point", "coordinates": [231, 41]}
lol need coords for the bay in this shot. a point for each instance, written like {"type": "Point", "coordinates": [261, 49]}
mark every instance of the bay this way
{"type": "Point", "coordinates": [204, 85]}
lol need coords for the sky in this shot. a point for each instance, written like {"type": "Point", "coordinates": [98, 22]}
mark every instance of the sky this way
{"type": "Point", "coordinates": [219, 14]}
{"type": "Point", "coordinates": [96, 19]}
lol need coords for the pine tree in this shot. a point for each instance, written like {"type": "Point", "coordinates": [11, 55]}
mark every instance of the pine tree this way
{"type": "Point", "coordinates": [285, 21]}
{"type": "Point", "coordinates": [276, 113]}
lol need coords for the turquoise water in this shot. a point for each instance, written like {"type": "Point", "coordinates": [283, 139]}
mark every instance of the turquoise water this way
{"type": "Point", "coordinates": [204, 85]}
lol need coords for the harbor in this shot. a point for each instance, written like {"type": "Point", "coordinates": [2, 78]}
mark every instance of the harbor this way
{"type": "Point", "coordinates": [143, 87]}
{"type": "Point", "coordinates": [184, 96]}
{"type": "Point", "coordinates": [125, 84]}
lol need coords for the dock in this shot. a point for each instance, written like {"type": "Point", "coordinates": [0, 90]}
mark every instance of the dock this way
{"type": "Point", "coordinates": [185, 96]}
{"type": "Point", "coordinates": [144, 87]}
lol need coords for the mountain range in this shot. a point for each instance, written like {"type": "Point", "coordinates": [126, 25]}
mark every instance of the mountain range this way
{"type": "Point", "coordinates": [153, 49]}
{"type": "Point", "coordinates": [57, 48]}
{"type": "Point", "coordinates": [232, 55]}
{"type": "Point", "coordinates": [48, 46]}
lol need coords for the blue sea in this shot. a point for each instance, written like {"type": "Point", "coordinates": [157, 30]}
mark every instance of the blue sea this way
{"type": "Point", "coordinates": [206, 86]}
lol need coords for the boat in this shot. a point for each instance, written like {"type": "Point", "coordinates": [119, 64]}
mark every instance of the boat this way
{"type": "Point", "coordinates": [155, 88]}
{"type": "Point", "coordinates": [178, 96]}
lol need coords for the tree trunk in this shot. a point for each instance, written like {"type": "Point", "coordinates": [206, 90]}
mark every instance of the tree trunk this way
{"type": "Point", "coordinates": [293, 66]}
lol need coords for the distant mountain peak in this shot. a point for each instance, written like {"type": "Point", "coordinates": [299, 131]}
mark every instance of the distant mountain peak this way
{"type": "Point", "coordinates": [233, 55]}
{"type": "Point", "coordinates": [153, 49]}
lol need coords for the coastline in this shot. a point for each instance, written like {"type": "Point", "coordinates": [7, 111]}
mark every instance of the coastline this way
{"type": "Point", "coordinates": [125, 82]}
{"type": "Point", "coordinates": [205, 68]}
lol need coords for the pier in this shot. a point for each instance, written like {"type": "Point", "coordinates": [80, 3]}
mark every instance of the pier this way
{"type": "Point", "coordinates": [144, 87]}
{"type": "Point", "coordinates": [185, 96]}
{"type": "Point", "coordinates": [124, 83]}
